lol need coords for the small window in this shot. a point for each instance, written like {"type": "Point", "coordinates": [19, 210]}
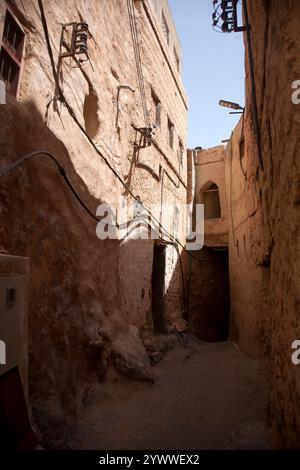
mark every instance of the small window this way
{"type": "Point", "coordinates": [11, 53]}
{"type": "Point", "coordinates": [10, 296]}
{"type": "Point", "coordinates": [180, 151]}
{"type": "Point", "coordinates": [176, 59]}
{"type": "Point", "coordinates": [212, 208]}
{"type": "Point", "coordinates": [171, 133]}
{"type": "Point", "coordinates": [165, 27]}
{"type": "Point", "coordinates": [156, 108]}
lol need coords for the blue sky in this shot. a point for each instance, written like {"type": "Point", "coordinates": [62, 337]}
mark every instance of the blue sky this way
{"type": "Point", "coordinates": [213, 69]}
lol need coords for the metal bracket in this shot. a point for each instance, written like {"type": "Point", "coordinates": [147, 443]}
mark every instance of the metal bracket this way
{"type": "Point", "coordinates": [73, 44]}
{"type": "Point", "coordinates": [146, 135]}
{"type": "Point", "coordinates": [229, 16]}
{"type": "Point", "coordinates": [73, 41]}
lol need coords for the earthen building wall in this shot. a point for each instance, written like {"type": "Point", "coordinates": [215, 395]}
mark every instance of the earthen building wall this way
{"type": "Point", "coordinates": [83, 290]}
{"type": "Point", "coordinates": [264, 241]}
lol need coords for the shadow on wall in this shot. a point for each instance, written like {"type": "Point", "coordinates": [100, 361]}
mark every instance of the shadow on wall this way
{"type": "Point", "coordinates": [72, 290]}
{"type": "Point", "coordinates": [74, 277]}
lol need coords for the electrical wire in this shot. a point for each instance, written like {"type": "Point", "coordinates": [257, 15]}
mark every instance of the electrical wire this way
{"type": "Point", "coordinates": [64, 176]}
{"type": "Point", "coordinates": [72, 189]}
{"type": "Point", "coordinates": [72, 114]}
{"type": "Point", "coordinates": [61, 96]}
{"type": "Point", "coordinates": [138, 61]}
{"type": "Point", "coordinates": [70, 186]}
{"type": "Point", "coordinates": [62, 172]}
{"type": "Point", "coordinates": [134, 33]}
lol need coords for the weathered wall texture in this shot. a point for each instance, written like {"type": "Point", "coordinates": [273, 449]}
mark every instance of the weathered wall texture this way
{"type": "Point", "coordinates": [83, 289]}
{"type": "Point", "coordinates": [265, 239]}
{"type": "Point", "coordinates": [245, 274]}
{"type": "Point", "coordinates": [161, 7]}
{"type": "Point", "coordinates": [210, 168]}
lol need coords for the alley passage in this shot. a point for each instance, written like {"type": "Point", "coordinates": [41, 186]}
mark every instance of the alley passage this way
{"type": "Point", "coordinates": [206, 396]}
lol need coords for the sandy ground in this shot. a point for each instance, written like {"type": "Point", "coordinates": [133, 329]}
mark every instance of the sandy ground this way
{"type": "Point", "coordinates": [206, 396]}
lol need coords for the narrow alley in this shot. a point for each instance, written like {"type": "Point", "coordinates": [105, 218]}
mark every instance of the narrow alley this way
{"type": "Point", "coordinates": [149, 226]}
{"type": "Point", "coordinates": [205, 396]}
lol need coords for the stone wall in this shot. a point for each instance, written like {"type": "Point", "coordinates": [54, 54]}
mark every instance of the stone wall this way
{"type": "Point", "coordinates": [264, 240]}
{"type": "Point", "coordinates": [245, 273]}
{"type": "Point", "coordinates": [82, 289]}
{"type": "Point", "coordinates": [161, 8]}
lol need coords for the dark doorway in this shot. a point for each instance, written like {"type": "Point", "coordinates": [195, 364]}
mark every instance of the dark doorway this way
{"type": "Point", "coordinates": [158, 286]}
{"type": "Point", "coordinates": [209, 295]}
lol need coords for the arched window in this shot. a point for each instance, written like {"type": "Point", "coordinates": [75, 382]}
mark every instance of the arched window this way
{"type": "Point", "coordinates": [211, 200]}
